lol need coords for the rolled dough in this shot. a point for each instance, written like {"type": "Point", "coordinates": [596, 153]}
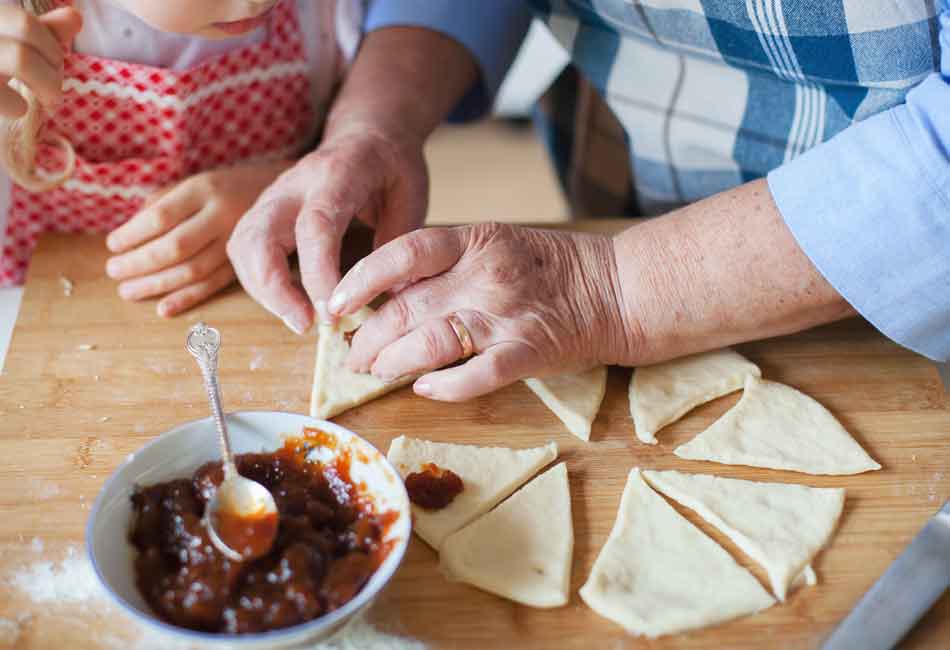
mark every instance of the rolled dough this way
{"type": "Point", "coordinates": [522, 549]}
{"type": "Point", "coordinates": [663, 393]}
{"type": "Point", "coordinates": [658, 574]}
{"type": "Point", "coordinates": [779, 525]}
{"type": "Point", "coordinates": [778, 427]}
{"type": "Point", "coordinates": [489, 474]}
{"type": "Point", "coordinates": [336, 388]}
{"type": "Point", "coordinates": [574, 398]}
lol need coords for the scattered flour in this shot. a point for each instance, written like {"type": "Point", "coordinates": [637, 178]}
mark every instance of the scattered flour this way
{"type": "Point", "coordinates": [36, 545]}
{"type": "Point", "coordinates": [72, 581]}
{"type": "Point", "coordinates": [258, 361]}
{"type": "Point", "coordinates": [138, 427]}
{"type": "Point", "coordinates": [42, 490]}
{"type": "Point", "coordinates": [9, 632]}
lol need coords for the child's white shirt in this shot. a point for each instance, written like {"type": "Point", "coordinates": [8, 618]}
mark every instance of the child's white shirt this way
{"type": "Point", "coordinates": [111, 32]}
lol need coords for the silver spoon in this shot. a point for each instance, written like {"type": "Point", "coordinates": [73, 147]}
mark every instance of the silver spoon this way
{"type": "Point", "coordinates": [241, 517]}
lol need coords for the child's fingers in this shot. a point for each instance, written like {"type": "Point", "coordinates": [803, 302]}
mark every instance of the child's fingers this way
{"type": "Point", "coordinates": [189, 272]}
{"type": "Point", "coordinates": [20, 25]}
{"type": "Point", "coordinates": [17, 59]}
{"type": "Point", "coordinates": [156, 218]}
{"type": "Point", "coordinates": [64, 23]}
{"type": "Point", "coordinates": [191, 295]}
{"type": "Point", "coordinates": [180, 243]}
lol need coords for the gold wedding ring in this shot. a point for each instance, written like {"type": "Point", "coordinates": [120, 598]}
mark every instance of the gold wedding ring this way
{"type": "Point", "coordinates": [464, 337]}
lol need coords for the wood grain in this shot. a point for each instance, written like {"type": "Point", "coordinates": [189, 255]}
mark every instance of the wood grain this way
{"type": "Point", "coordinates": [57, 449]}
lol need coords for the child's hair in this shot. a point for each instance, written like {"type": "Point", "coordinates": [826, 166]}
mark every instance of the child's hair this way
{"type": "Point", "coordinates": [20, 138]}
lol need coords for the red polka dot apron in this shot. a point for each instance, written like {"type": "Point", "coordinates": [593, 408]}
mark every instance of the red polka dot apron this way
{"type": "Point", "coordinates": [137, 128]}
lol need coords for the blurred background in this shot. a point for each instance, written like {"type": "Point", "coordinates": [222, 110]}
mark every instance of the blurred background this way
{"type": "Point", "coordinates": [498, 169]}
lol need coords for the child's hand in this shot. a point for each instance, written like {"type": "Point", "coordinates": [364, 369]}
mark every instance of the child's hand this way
{"type": "Point", "coordinates": [32, 50]}
{"type": "Point", "coordinates": [175, 246]}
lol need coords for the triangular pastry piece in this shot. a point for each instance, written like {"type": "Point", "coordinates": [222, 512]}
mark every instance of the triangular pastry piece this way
{"type": "Point", "coordinates": [522, 549]}
{"type": "Point", "coordinates": [779, 525]}
{"type": "Point", "coordinates": [336, 388]}
{"type": "Point", "coordinates": [489, 474]}
{"type": "Point", "coordinates": [778, 427]}
{"type": "Point", "coordinates": [658, 574]}
{"type": "Point", "coordinates": [663, 393]}
{"type": "Point", "coordinates": [574, 398]}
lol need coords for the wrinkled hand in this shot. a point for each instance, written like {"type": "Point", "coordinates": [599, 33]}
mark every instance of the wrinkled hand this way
{"type": "Point", "coordinates": [175, 246]}
{"type": "Point", "coordinates": [358, 173]}
{"type": "Point", "coordinates": [534, 301]}
{"type": "Point", "coordinates": [32, 49]}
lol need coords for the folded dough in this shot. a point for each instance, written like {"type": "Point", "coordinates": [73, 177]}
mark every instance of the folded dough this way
{"type": "Point", "coordinates": [778, 427]}
{"type": "Point", "coordinates": [658, 574]}
{"type": "Point", "coordinates": [663, 393]}
{"type": "Point", "coordinates": [522, 549]}
{"type": "Point", "coordinates": [779, 525]}
{"type": "Point", "coordinates": [336, 388]}
{"type": "Point", "coordinates": [489, 474]}
{"type": "Point", "coordinates": [574, 398]}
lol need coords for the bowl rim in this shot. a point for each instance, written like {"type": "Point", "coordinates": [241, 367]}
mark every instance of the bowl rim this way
{"type": "Point", "coordinates": [283, 634]}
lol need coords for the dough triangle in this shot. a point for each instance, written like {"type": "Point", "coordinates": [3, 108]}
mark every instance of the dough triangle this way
{"type": "Point", "coordinates": [778, 427]}
{"type": "Point", "coordinates": [663, 393]}
{"type": "Point", "coordinates": [658, 574]}
{"type": "Point", "coordinates": [574, 398]}
{"type": "Point", "coordinates": [489, 474]}
{"type": "Point", "coordinates": [336, 388]}
{"type": "Point", "coordinates": [779, 525]}
{"type": "Point", "coordinates": [522, 549]}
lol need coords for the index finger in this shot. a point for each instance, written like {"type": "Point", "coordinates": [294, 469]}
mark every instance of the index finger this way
{"type": "Point", "coordinates": [258, 250]}
{"type": "Point", "coordinates": [405, 260]}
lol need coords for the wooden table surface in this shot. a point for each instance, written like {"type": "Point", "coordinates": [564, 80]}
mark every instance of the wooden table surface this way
{"type": "Point", "coordinates": [70, 416]}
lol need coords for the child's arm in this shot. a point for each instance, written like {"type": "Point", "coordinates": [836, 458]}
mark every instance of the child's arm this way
{"type": "Point", "coordinates": [175, 246]}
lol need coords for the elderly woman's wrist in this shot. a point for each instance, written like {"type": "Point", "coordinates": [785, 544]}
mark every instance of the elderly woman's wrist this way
{"type": "Point", "coordinates": [611, 338]}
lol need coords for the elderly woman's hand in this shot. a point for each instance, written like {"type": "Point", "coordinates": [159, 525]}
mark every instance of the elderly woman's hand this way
{"type": "Point", "coordinates": [533, 301]}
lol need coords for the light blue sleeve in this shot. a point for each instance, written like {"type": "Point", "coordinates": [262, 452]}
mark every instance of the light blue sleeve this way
{"type": "Point", "coordinates": [492, 30]}
{"type": "Point", "coordinates": [871, 209]}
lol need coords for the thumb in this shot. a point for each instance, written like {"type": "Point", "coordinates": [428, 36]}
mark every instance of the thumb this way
{"type": "Point", "coordinates": [65, 23]}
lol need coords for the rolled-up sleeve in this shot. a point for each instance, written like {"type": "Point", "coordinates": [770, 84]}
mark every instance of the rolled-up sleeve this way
{"type": "Point", "coordinates": [871, 209]}
{"type": "Point", "coordinates": [492, 30]}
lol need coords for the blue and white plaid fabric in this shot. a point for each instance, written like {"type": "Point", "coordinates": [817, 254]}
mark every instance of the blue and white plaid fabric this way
{"type": "Point", "coordinates": [714, 93]}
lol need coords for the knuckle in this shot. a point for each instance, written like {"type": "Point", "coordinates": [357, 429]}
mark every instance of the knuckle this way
{"type": "Point", "coordinates": [189, 273]}
{"type": "Point", "coordinates": [161, 218]}
{"type": "Point", "coordinates": [399, 315]}
{"type": "Point", "coordinates": [431, 345]}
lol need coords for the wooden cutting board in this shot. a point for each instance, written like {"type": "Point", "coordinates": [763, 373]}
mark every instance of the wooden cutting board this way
{"type": "Point", "coordinates": [70, 416]}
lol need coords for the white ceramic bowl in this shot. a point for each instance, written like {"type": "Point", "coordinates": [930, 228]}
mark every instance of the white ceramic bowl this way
{"type": "Point", "coordinates": [177, 454]}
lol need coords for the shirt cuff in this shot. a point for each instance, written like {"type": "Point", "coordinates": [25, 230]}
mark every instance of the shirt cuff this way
{"type": "Point", "coordinates": [870, 209]}
{"type": "Point", "coordinates": [492, 30]}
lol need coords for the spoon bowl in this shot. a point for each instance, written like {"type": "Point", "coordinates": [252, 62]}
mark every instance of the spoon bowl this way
{"type": "Point", "coordinates": [242, 519]}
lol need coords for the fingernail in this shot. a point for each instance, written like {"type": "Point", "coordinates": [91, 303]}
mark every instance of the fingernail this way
{"type": "Point", "coordinates": [337, 301]}
{"type": "Point", "coordinates": [321, 308]}
{"type": "Point", "coordinates": [112, 268]}
{"type": "Point", "coordinates": [423, 388]}
{"type": "Point", "coordinates": [295, 324]}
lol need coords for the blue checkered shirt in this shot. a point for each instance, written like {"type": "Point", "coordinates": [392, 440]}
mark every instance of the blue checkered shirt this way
{"type": "Point", "coordinates": [843, 104]}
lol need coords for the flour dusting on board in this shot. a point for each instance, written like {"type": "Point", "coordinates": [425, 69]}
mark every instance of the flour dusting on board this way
{"type": "Point", "coordinates": [72, 582]}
